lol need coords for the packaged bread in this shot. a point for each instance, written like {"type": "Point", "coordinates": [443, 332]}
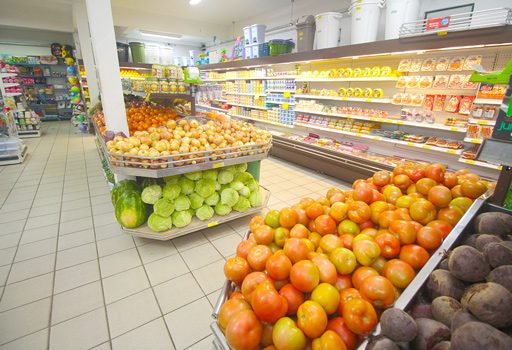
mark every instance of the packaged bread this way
{"type": "Point", "coordinates": [348, 73]}
{"type": "Point", "coordinates": [406, 99]}
{"type": "Point", "coordinates": [367, 92]}
{"type": "Point", "coordinates": [453, 104]}
{"type": "Point", "coordinates": [404, 65]}
{"type": "Point", "coordinates": [358, 92]}
{"type": "Point", "coordinates": [417, 99]}
{"type": "Point", "coordinates": [439, 102]}
{"type": "Point", "coordinates": [342, 92]}
{"type": "Point", "coordinates": [425, 82]}
{"type": "Point", "coordinates": [401, 82]}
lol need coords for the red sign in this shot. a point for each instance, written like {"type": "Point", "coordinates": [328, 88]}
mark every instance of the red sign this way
{"type": "Point", "coordinates": [439, 22]}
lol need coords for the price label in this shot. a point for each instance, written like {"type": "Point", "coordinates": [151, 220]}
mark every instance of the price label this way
{"type": "Point", "coordinates": [218, 165]}
{"type": "Point", "coordinates": [286, 94]}
{"type": "Point", "coordinates": [411, 144]}
{"type": "Point", "coordinates": [442, 33]}
{"type": "Point", "coordinates": [451, 151]}
{"type": "Point", "coordinates": [343, 98]}
{"type": "Point", "coordinates": [373, 119]}
{"type": "Point", "coordinates": [376, 138]}
{"type": "Point", "coordinates": [470, 161]}
{"type": "Point", "coordinates": [482, 122]}
{"type": "Point", "coordinates": [257, 97]}
{"type": "Point", "coordinates": [284, 106]}
{"type": "Point", "coordinates": [426, 147]}
{"type": "Point", "coordinates": [213, 223]}
{"type": "Point", "coordinates": [400, 122]}
{"type": "Point", "coordinates": [454, 129]}
{"type": "Point", "coordinates": [368, 100]}
{"type": "Point", "coordinates": [358, 134]}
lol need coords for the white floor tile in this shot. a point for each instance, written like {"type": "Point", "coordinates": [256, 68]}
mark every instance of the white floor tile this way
{"type": "Point", "coordinates": [39, 221]}
{"type": "Point", "coordinates": [177, 292]}
{"type": "Point", "coordinates": [27, 291]}
{"type": "Point", "coordinates": [124, 284]}
{"type": "Point", "coordinates": [74, 214]}
{"type": "Point", "coordinates": [204, 344]}
{"type": "Point", "coordinates": [13, 226]}
{"type": "Point", "coordinates": [31, 268]}
{"type": "Point", "coordinates": [35, 249]}
{"type": "Point", "coordinates": [44, 210]}
{"type": "Point", "coordinates": [75, 225]}
{"type": "Point", "coordinates": [77, 301]}
{"type": "Point", "coordinates": [4, 271]}
{"type": "Point", "coordinates": [164, 269]}
{"type": "Point", "coordinates": [76, 239]}
{"type": "Point", "coordinates": [75, 256]}
{"type": "Point", "coordinates": [34, 341]}
{"type": "Point", "coordinates": [118, 262]}
{"type": "Point", "coordinates": [77, 275]}
{"type": "Point", "coordinates": [153, 335]}
{"type": "Point", "coordinates": [39, 233]}
{"type": "Point", "coordinates": [114, 245]}
{"type": "Point", "coordinates": [108, 231]}
{"type": "Point", "coordinates": [227, 245]}
{"type": "Point", "coordinates": [200, 256]}
{"type": "Point", "coordinates": [189, 241]}
{"type": "Point", "coordinates": [10, 240]}
{"type": "Point", "coordinates": [211, 277]}
{"type": "Point", "coordinates": [156, 250]}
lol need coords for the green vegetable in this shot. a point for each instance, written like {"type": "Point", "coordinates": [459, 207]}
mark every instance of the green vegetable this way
{"type": "Point", "coordinates": [242, 205]}
{"type": "Point", "coordinates": [171, 191]}
{"type": "Point", "coordinates": [245, 191]}
{"type": "Point", "coordinates": [146, 181]}
{"type": "Point", "coordinates": [255, 198]}
{"type": "Point", "coordinates": [243, 177]}
{"type": "Point", "coordinates": [253, 185]}
{"type": "Point", "coordinates": [210, 174]}
{"type": "Point", "coordinates": [205, 212]}
{"type": "Point", "coordinates": [194, 176]}
{"type": "Point", "coordinates": [231, 169]}
{"type": "Point", "coordinates": [159, 223]}
{"type": "Point", "coordinates": [222, 209]}
{"type": "Point", "coordinates": [130, 210]}
{"type": "Point", "coordinates": [196, 201]}
{"type": "Point", "coordinates": [151, 194]}
{"type": "Point", "coordinates": [205, 188]}
{"type": "Point", "coordinates": [241, 167]}
{"type": "Point", "coordinates": [172, 179]}
{"type": "Point", "coordinates": [229, 197]}
{"type": "Point", "coordinates": [217, 186]}
{"type": "Point", "coordinates": [163, 207]}
{"type": "Point", "coordinates": [181, 218]}
{"type": "Point", "coordinates": [121, 187]}
{"type": "Point", "coordinates": [182, 203]}
{"type": "Point", "coordinates": [187, 185]}
{"type": "Point", "coordinates": [225, 177]}
{"type": "Point", "coordinates": [213, 199]}
{"type": "Point", "coordinates": [236, 185]}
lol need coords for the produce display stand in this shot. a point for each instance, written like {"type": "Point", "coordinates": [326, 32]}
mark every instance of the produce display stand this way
{"type": "Point", "coordinates": [14, 158]}
{"type": "Point", "coordinates": [406, 296]}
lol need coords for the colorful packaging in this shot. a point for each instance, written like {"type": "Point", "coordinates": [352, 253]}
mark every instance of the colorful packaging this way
{"type": "Point", "coordinates": [465, 105]}
{"type": "Point", "coordinates": [442, 63]}
{"type": "Point", "coordinates": [456, 63]}
{"type": "Point", "coordinates": [456, 81]}
{"type": "Point", "coordinates": [441, 82]}
{"type": "Point", "coordinates": [401, 82]}
{"type": "Point", "coordinates": [415, 65]}
{"type": "Point", "coordinates": [404, 65]}
{"type": "Point", "coordinates": [425, 82]}
{"type": "Point", "coordinates": [413, 81]}
{"type": "Point", "coordinates": [428, 103]}
{"type": "Point", "coordinates": [428, 65]}
{"type": "Point", "coordinates": [439, 102]}
{"type": "Point", "coordinates": [470, 61]}
{"type": "Point", "coordinates": [453, 104]}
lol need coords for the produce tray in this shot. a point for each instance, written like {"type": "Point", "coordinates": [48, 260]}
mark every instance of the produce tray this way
{"type": "Point", "coordinates": [196, 224]}
{"type": "Point", "coordinates": [407, 295]}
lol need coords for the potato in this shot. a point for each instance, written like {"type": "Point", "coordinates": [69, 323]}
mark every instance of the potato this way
{"type": "Point", "coordinates": [468, 264]}
{"type": "Point", "coordinates": [422, 311]}
{"type": "Point", "coordinates": [480, 336]}
{"type": "Point", "coordinates": [502, 275]}
{"type": "Point", "coordinates": [443, 265]}
{"type": "Point", "coordinates": [381, 343]}
{"type": "Point", "coordinates": [442, 282]}
{"type": "Point", "coordinates": [490, 302]}
{"type": "Point", "coordinates": [430, 332]}
{"type": "Point", "coordinates": [444, 345]}
{"type": "Point", "coordinates": [460, 318]}
{"type": "Point", "coordinates": [498, 254]}
{"type": "Point", "coordinates": [498, 224]}
{"type": "Point", "coordinates": [485, 239]}
{"type": "Point", "coordinates": [398, 326]}
{"type": "Point", "coordinates": [444, 308]}
{"type": "Point", "coordinates": [470, 240]}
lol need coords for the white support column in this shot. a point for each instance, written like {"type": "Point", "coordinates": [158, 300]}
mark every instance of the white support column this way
{"type": "Point", "coordinates": [101, 26]}
{"type": "Point", "coordinates": [81, 25]}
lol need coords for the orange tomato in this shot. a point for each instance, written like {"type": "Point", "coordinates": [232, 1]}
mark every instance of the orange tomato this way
{"type": "Point", "coordinates": [429, 238]}
{"type": "Point", "coordinates": [361, 273]}
{"type": "Point", "coordinates": [405, 231]}
{"type": "Point", "coordinates": [314, 210]}
{"type": "Point", "coordinates": [255, 222]}
{"type": "Point", "coordinates": [424, 185]}
{"type": "Point", "coordinates": [377, 208]}
{"type": "Point", "coordinates": [378, 290]}
{"type": "Point", "coordinates": [440, 196]}
{"type": "Point", "coordinates": [330, 340]}
{"type": "Point", "coordinates": [381, 178]}
{"type": "Point", "coordinates": [451, 215]}
{"type": "Point", "coordinates": [243, 248]}
{"type": "Point", "coordinates": [299, 231]}
{"type": "Point", "coordinates": [389, 245]}
{"type": "Point", "coordinates": [311, 319]}
{"type": "Point", "coordinates": [473, 189]}
{"type": "Point", "coordinates": [296, 249]}
{"type": "Point", "coordinates": [360, 316]}
{"type": "Point", "coordinates": [346, 295]}
{"type": "Point", "coordinates": [359, 212]}
{"type": "Point", "coordinates": [326, 268]}
{"type": "Point", "coordinates": [343, 282]}
{"type": "Point", "coordinates": [251, 281]}
{"type": "Point", "coordinates": [236, 269]}
{"type": "Point", "coordinates": [414, 255]}
{"type": "Point", "coordinates": [267, 303]}
{"type": "Point", "coordinates": [305, 276]}
{"type": "Point", "coordinates": [288, 218]}
{"type": "Point", "coordinates": [398, 272]}
{"type": "Point", "coordinates": [339, 326]}
{"type": "Point", "coordinates": [229, 309]}
{"type": "Point", "coordinates": [293, 296]}
{"type": "Point", "coordinates": [264, 234]}
{"type": "Point", "coordinates": [339, 211]}
{"type": "Point", "coordinates": [325, 225]}
{"type": "Point", "coordinates": [278, 266]}
{"type": "Point", "coordinates": [441, 225]}
{"type": "Point", "coordinates": [258, 256]}
{"type": "Point", "coordinates": [423, 211]}
{"type": "Point", "coordinates": [244, 331]}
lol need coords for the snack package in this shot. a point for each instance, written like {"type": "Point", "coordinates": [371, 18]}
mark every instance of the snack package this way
{"type": "Point", "coordinates": [473, 131]}
{"type": "Point", "coordinates": [397, 99]}
{"type": "Point", "coordinates": [456, 81]}
{"type": "Point", "coordinates": [340, 73]}
{"type": "Point", "coordinates": [358, 92]}
{"type": "Point", "coordinates": [486, 131]}
{"type": "Point", "coordinates": [453, 104]}
{"type": "Point", "coordinates": [469, 84]}
{"type": "Point", "coordinates": [401, 82]}
{"type": "Point", "coordinates": [441, 81]}
{"type": "Point", "coordinates": [465, 105]}
{"type": "Point", "coordinates": [456, 63]}
{"type": "Point", "coordinates": [367, 92]}
{"type": "Point", "coordinates": [428, 65]}
{"type": "Point", "coordinates": [385, 71]}
{"type": "Point", "coordinates": [413, 81]}
{"type": "Point", "coordinates": [470, 61]}
{"type": "Point", "coordinates": [378, 93]}
{"type": "Point", "coordinates": [415, 65]}
{"type": "Point", "coordinates": [428, 103]}
{"type": "Point", "coordinates": [350, 92]}
{"type": "Point", "coordinates": [417, 99]}
{"type": "Point", "coordinates": [442, 63]}
{"type": "Point", "coordinates": [489, 112]}
{"type": "Point", "coordinates": [404, 65]}
{"type": "Point", "coordinates": [367, 72]}
{"type": "Point", "coordinates": [375, 71]}
{"type": "Point", "coordinates": [425, 82]}
{"type": "Point", "coordinates": [333, 73]}
{"type": "Point", "coordinates": [407, 99]}
{"type": "Point", "coordinates": [439, 102]}
{"type": "Point", "coordinates": [342, 92]}
{"type": "Point", "coordinates": [348, 73]}
{"type": "Point", "coordinates": [358, 72]}
{"type": "Point", "coordinates": [477, 111]}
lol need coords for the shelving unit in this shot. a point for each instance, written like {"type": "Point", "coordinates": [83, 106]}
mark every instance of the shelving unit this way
{"type": "Point", "coordinates": [260, 120]}
{"type": "Point", "coordinates": [352, 99]}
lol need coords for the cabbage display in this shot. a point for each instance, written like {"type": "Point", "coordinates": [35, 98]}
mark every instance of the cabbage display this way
{"type": "Point", "coordinates": [151, 194]}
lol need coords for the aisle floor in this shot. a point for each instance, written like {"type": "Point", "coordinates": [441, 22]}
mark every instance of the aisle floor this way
{"type": "Point", "coordinates": [71, 279]}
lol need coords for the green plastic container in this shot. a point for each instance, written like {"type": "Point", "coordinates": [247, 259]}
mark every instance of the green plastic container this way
{"type": "Point", "coordinates": [254, 169]}
{"type": "Point", "coordinates": [279, 46]}
{"type": "Point", "coordinates": [137, 50]}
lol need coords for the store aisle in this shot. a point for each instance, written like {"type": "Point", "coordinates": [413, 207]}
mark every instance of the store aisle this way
{"type": "Point", "coordinates": [71, 279]}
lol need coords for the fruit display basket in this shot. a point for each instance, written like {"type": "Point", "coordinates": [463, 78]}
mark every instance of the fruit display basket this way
{"type": "Point", "coordinates": [408, 294]}
{"type": "Point", "coordinates": [197, 225]}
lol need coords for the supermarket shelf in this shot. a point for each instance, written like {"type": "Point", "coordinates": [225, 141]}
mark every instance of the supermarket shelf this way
{"type": "Point", "coordinates": [28, 133]}
{"type": "Point", "coordinates": [385, 139]}
{"type": "Point", "coordinates": [280, 91]}
{"type": "Point", "coordinates": [43, 76]}
{"type": "Point", "coordinates": [482, 122]}
{"type": "Point", "coordinates": [283, 77]}
{"type": "Point", "coordinates": [35, 84]}
{"type": "Point", "coordinates": [42, 104]}
{"type": "Point", "coordinates": [247, 106]}
{"type": "Point", "coordinates": [260, 120]}
{"type": "Point", "coordinates": [8, 75]}
{"type": "Point", "coordinates": [211, 80]}
{"type": "Point", "coordinates": [213, 108]}
{"type": "Point", "coordinates": [280, 103]}
{"type": "Point", "coordinates": [7, 85]}
{"type": "Point", "coordinates": [389, 121]}
{"type": "Point", "coordinates": [13, 94]}
{"type": "Point", "coordinates": [479, 163]}
{"type": "Point", "coordinates": [50, 117]}
{"type": "Point", "coordinates": [39, 64]}
{"type": "Point", "coordinates": [329, 80]}
{"type": "Point", "coordinates": [469, 139]}
{"type": "Point", "coordinates": [353, 99]}
{"type": "Point", "coordinates": [196, 224]}
{"type": "Point", "coordinates": [487, 101]}
{"type": "Point", "coordinates": [14, 159]}
{"type": "Point", "coordinates": [244, 94]}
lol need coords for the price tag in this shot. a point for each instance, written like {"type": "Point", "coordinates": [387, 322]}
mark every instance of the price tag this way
{"type": "Point", "coordinates": [469, 161]}
{"type": "Point", "coordinates": [411, 144]}
{"type": "Point", "coordinates": [451, 151]}
{"type": "Point", "coordinates": [213, 223]}
{"type": "Point", "coordinates": [373, 119]}
{"type": "Point", "coordinates": [257, 97]}
{"type": "Point", "coordinates": [358, 134]}
{"type": "Point", "coordinates": [286, 94]}
{"type": "Point", "coordinates": [376, 138]}
{"type": "Point", "coordinates": [218, 165]}
{"type": "Point", "coordinates": [454, 129]}
{"type": "Point", "coordinates": [400, 122]}
{"type": "Point", "coordinates": [284, 106]}
{"type": "Point", "coordinates": [442, 33]}
{"type": "Point", "coordinates": [426, 147]}
{"type": "Point", "coordinates": [343, 98]}
{"type": "Point", "coordinates": [368, 100]}
{"type": "Point", "coordinates": [482, 122]}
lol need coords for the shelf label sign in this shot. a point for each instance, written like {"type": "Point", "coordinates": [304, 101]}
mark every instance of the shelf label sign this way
{"type": "Point", "coordinates": [213, 223]}
{"type": "Point", "coordinates": [218, 165]}
{"type": "Point", "coordinates": [286, 94]}
{"type": "Point", "coordinates": [284, 106]}
{"type": "Point", "coordinates": [437, 23]}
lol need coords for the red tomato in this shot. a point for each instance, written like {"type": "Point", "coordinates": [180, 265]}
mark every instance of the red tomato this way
{"type": "Point", "coordinates": [402, 181]}
{"type": "Point", "coordinates": [362, 273]}
{"type": "Point", "coordinates": [296, 249]}
{"type": "Point", "coordinates": [258, 256]}
{"type": "Point", "coordinates": [339, 211]}
{"type": "Point", "coordinates": [414, 255]}
{"type": "Point", "coordinates": [435, 172]}
{"type": "Point", "coordinates": [424, 185]}
{"type": "Point", "coordinates": [236, 269]}
{"type": "Point", "coordinates": [264, 234]}
{"type": "Point", "coordinates": [251, 282]}
{"type": "Point", "coordinates": [278, 266]}
{"type": "Point", "coordinates": [343, 282]}
{"type": "Point", "coordinates": [389, 245]}
{"type": "Point", "coordinates": [330, 242]}
{"type": "Point", "coordinates": [325, 225]}
{"type": "Point", "coordinates": [302, 218]}
{"type": "Point", "coordinates": [405, 231]}
{"type": "Point", "coordinates": [339, 326]}
{"type": "Point", "coordinates": [326, 268]}
{"type": "Point", "coordinates": [304, 276]}
{"type": "Point", "coordinates": [359, 212]}
{"type": "Point", "coordinates": [243, 331]}
{"type": "Point", "coordinates": [429, 238]}
{"type": "Point", "coordinates": [473, 189]}
{"type": "Point", "coordinates": [330, 340]}
{"type": "Point", "coordinates": [255, 222]}
{"type": "Point", "coordinates": [450, 180]}
{"type": "Point", "coordinates": [347, 240]}
{"type": "Point", "coordinates": [267, 304]}
{"type": "Point", "coordinates": [346, 295]}
{"type": "Point", "coordinates": [378, 290]}
{"type": "Point", "coordinates": [229, 309]}
{"type": "Point", "coordinates": [314, 210]}
{"type": "Point", "coordinates": [451, 215]}
{"type": "Point", "coordinates": [299, 231]}
{"type": "Point", "coordinates": [441, 225]}
{"type": "Point", "coordinates": [288, 217]}
{"type": "Point", "coordinates": [363, 192]}
{"type": "Point", "coordinates": [440, 196]}
{"type": "Point", "coordinates": [423, 211]}
{"type": "Point", "coordinates": [398, 272]}
{"type": "Point", "coordinates": [311, 319]}
{"type": "Point", "coordinates": [243, 248]}
{"type": "Point", "coordinates": [287, 336]}
{"type": "Point", "coordinates": [293, 296]}
{"type": "Point", "coordinates": [266, 336]}
{"type": "Point", "coordinates": [381, 178]}
{"type": "Point", "coordinates": [386, 217]}
{"type": "Point", "coordinates": [360, 316]}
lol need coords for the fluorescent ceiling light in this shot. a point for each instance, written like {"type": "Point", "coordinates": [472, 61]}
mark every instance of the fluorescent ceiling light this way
{"type": "Point", "coordinates": [194, 2]}
{"type": "Point", "coordinates": [161, 35]}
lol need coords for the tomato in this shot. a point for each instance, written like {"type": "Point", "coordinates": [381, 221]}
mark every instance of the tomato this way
{"type": "Point", "coordinates": [281, 234]}
{"type": "Point", "coordinates": [366, 224]}
{"type": "Point", "coordinates": [288, 218]}
{"type": "Point", "coordinates": [377, 208]}
{"type": "Point", "coordinates": [440, 196]}
{"type": "Point", "coordinates": [398, 272]}
{"type": "Point", "coordinates": [450, 180]}
{"type": "Point", "coordinates": [344, 260]}
{"type": "Point", "coordinates": [306, 202]}
{"type": "Point", "coordinates": [327, 296]}
{"type": "Point", "coordinates": [299, 231]}
{"type": "Point", "coordinates": [405, 201]}
{"type": "Point", "coordinates": [386, 217]}
{"type": "Point", "coordinates": [339, 211]}
{"type": "Point", "coordinates": [325, 225]}
{"type": "Point", "coordinates": [360, 316]}
{"type": "Point", "coordinates": [287, 336]}
{"type": "Point", "coordinates": [315, 238]}
{"type": "Point", "coordinates": [473, 189]}
{"type": "Point", "coordinates": [251, 282]}
{"type": "Point", "coordinates": [402, 214]}
{"type": "Point", "coordinates": [314, 210]}
{"type": "Point", "coordinates": [243, 331]}
{"type": "Point", "coordinates": [363, 192]}
{"type": "Point", "coordinates": [255, 222]}
{"type": "Point", "coordinates": [435, 172]}
{"type": "Point", "coordinates": [267, 303]}
{"type": "Point", "coordinates": [330, 242]}
{"type": "Point", "coordinates": [402, 181]}
{"type": "Point", "coordinates": [272, 218]}
{"type": "Point", "coordinates": [243, 248]}
{"type": "Point", "coordinates": [424, 185]}
{"type": "Point", "coordinates": [343, 282]}
{"type": "Point", "coordinates": [296, 249]}
{"type": "Point", "coordinates": [359, 212]}
{"type": "Point", "coordinates": [361, 273]}
{"type": "Point", "coordinates": [347, 240]}
{"type": "Point", "coordinates": [463, 203]}
{"type": "Point", "coordinates": [236, 295]}
{"type": "Point", "coordinates": [326, 268]}
{"type": "Point", "coordinates": [311, 319]}
{"type": "Point", "coordinates": [348, 227]}
{"type": "Point", "coordinates": [264, 234]}
{"type": "Point", "coordinates": [429, 238]}
{"type": "Point", "coordinates": [266, 336]}
{"type": "Point", "coordinates": [229, 309]}
{"type": "Point", "coordinates": [304, 276]}
{"type": "Point", "coordinates": [389, 245]}
{"type": "Point", "coordinates": [441, 225]}
{"type": "Point", "coordinates": [339, 326]}
{"type": "Point", "coordinates": [293, 296]}
{"type": "Point", "coordinates": [416, 174]}
{"type": "Point", "coordinates": [302, 218]}
{"type": "Point", "coordinates": [423, 211]}
{"type": "Point", "coordinates": [366, 251]}
{"type": "Point", "coordinates": [451, 215]}
{"type": "Point", "coordinates": [379, 263]}
{"type": "Point", "coordinates": [346, 295]}
{"type": "Point", "coordinates": [457, 191]}
{"type": "Point", "coordinates": [258, 256]}
{"type": "Point", "coordinates": [337, 198]}
{"type": "Point", "coordinates": [414, 255]}
{"type": "Point", "coordinates": [278, 266]}
{"type": "Point", "coordinates": [236, 269]}
{"type": "Point", "coordinates": [330, 340]}
{"type": "Point", "coordinates": [381, 178]}
{"type": "Point", "coordinates": [370, 231]}
{"type": "Point", "coordinates": [405, 231]}
{"type": "Point", "coordinates": [391, 193]}
{"type": "Point", "coordinates": [378, 290]}
{"type": "Point", "coordinates": [362, 236]}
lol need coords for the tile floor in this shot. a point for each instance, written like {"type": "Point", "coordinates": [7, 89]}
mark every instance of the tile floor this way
{"type": "Point", "coordinates": [71, 279]}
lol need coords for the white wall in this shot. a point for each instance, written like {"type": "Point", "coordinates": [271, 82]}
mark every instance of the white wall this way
{"type": "Point", "coordinates": [24, 50]}
{"type": "Point", "coordinates": [21, 41]}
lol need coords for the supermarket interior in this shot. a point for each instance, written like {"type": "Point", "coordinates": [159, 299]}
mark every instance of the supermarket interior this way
{"type": "Point", "coordinates": [199, 174]}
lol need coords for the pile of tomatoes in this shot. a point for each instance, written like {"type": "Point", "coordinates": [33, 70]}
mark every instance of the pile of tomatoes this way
{"type": "Point", "coordinates": [318, 274]}
{"type": "Point", "coordinates": [145, 117]}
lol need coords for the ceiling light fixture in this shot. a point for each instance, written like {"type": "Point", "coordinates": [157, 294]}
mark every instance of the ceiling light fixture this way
{"type": "Point", "coordinates": [161, 35]}
{"type": "Point", "coordinates": [194, 2]}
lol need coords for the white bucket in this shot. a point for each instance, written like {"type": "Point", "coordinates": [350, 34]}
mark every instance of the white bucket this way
{"type": "Point", "coordinates": [258, 33]}
{"type": "Point", "coordinates": [365, 20]}
{"type": "Point", "coordinates": [399, 12]}
{"type": "Point", "coordinates": [328, 28]}
{"type": "Point", "coordinates": [247, 35]}
{"type": "Point", "coordinates": [166, 55]}
{"type": "Point", "coordinates": [152, 53]}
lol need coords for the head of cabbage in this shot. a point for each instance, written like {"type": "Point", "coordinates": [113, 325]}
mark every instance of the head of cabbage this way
{"type": "Point", "coordinates": [171, 191]}
{"type": "Point", "coordinates": [151, 194]}
{"type": "Point", "coordinates": [163, 207]}
{"type": "Point", "coordinates": [229, 197]}
{"type": "Point", "coordinates": [205, 212]}
{"type": "Point", "coordinates": [159, 223]}
{"type": "Point", "coordinates": [181, 218]}
{"type": "Point", "coordinates": [205, 188]}
{"type": "Point", "coordinates": [182, 203]}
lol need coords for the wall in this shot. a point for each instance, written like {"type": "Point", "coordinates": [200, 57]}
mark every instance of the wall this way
{"type": "Point", "coordinates": [20, 41]}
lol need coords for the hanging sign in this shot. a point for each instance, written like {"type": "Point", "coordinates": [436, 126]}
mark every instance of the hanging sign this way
{"type": "Point", "coordinates": [438, 22]}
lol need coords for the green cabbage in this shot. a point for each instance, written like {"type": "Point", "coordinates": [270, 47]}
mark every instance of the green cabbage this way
{"type": "Point", "coordinates": [253, 185]}
{"type": "Point", "coordinates": [222, 209]}
{"type": "Point", "coordinates": [229, 197]}
{"type": "Point", "coordinates": [205, 212]}
{"type": "Point", "coordinates": [210, 174]}
{"type": "Point", "coordinates": [232, 169]}
{"type": "Point", "coordinates": [243, 177]}
{"type": "Point", "coordinates": [187, 185]}
{"type": "Point", "coordinates": [242, 205]}
{"type": "Point", "coordinates": [171, 191]}
{"type": "Point", "coordinates": [159, 223]}
{"type": "Point", "coordinates": [225, 177]}
{"type": "Point", "coordinates": [236, 185]}
{"type": "Point", "coordinates": [205, 188]}
{"type": "Point", "coordinates": [194, 176]}
{"type": "Point", "coordinates": [163, 207]}
{"type": "Point", "coordinates": [196, 201]}
{"type": "Point", "coordinates": [151, 194]}
{"type": "Point", "coordinates": [172, 179]}
{"type": "Point", "coordinates": [241, 167]}
{"type": "Point", "coordinates": [181, 218]}
{"type": "Point", "coordinates": [245, 191]}
{"type": "Point", "coordinates": [255, 198]}
{"type": "Point", "coordinates": [217, 186]}
{"type": "Point", "coordinates": [213, 199]}
{"type": "Point", "coordinates": [182, 203]}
